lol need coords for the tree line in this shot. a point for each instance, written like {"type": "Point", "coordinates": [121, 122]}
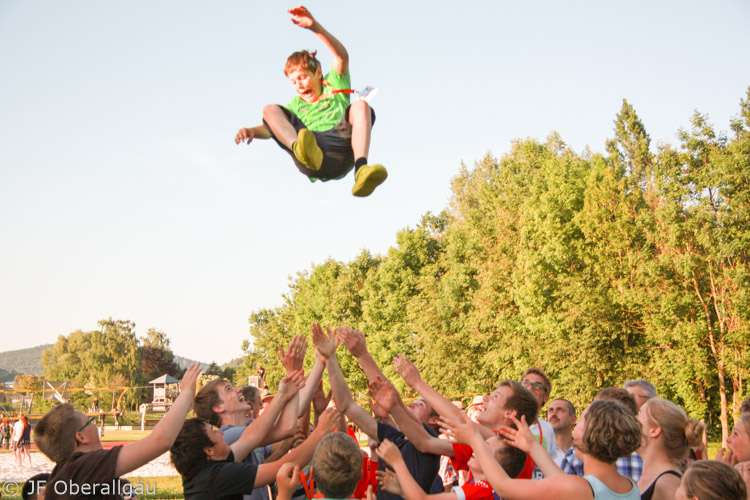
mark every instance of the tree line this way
{"type": "Point", "coordinates": [597, 267]}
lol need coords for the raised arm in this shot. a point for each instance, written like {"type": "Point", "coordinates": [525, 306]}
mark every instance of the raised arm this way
{"type": "Point", "coordinates": [251, 437]}
{"type": "Point", "coordinates": [302, 18]}
{"type": "Point", "coordinates": [164, 434]}
{"type": "Point", "coordinates": [342, 395]}
{"type": "Point", "coordinates": [524, 440]}
{"type": "Point", "coordinates": [302, 454]}
{"type": "Point", "coordinates": [562, 487]}
{"type": "Point", "coordinates": [292, 360]}
{"type": "Point", "coordinates": [386, 397]}
{"type": "Point", "coordinates": [248, 134]}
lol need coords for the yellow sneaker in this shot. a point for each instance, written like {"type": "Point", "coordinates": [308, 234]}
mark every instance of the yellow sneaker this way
{"type": "Point", "coordinates": [367, 179]}
{"type": "Point", "coordinates": [306, 149]}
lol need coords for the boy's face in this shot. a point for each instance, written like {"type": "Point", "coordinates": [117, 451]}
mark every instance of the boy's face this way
{"type": "Point", "coordinates": [421, 409]}
{"type": "Point", "coordinates": [494, 444]}
{"type": "Point", "coordinates": [231, 399]}
{"type": "Point", "coordinates": [86, 428]}
{"type": "Point", "coordinates": [495, 413]}
{"type": "Point", "coordinates": [307, 84]}
{"type": "Point", "coordinates": [220, 450]}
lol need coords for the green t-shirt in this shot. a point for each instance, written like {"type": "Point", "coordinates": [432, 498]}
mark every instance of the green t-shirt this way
{"type": "Point", "coordinates": [327, 111]}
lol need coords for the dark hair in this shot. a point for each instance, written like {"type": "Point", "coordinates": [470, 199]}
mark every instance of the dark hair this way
{"type": "Point", "coordinates": [511, 459]}
{"type": "Point", "coordinates": [611, 431]}
{"type": "Point", "coordinates": [302, 59]}
{"type": "Point", "coordinates": [521, 400]}
{"type": "Point", "coordinates": [30, 490]}
{"type": "Point", "coordinates": [55, 434]}
{"type": "Point", "coordinates": [713, 480]}
{"type": "Point", "coordinates": [188, 451]}
{"type": "Point", "coordinates": [337, 465]}
{"type": "Point", "coordinates": [621, 395]}
{"type": "Point", "coordinates": [206, 399]}
{"type": "Point", "coordinates": [538, 371]}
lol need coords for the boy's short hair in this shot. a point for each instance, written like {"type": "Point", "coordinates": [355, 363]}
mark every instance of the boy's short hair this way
{"type": "Point", "coordinates": [337, 465]}
{"type": "Point", "coordinates": [206, 399]}
{"type": "Point", "coordinates": [302, 59]}
{"type": "Point", "coordinates": [511, 459]}
{"type": "Point", "coordinates": [55, 432]}
{"type": "Point", "coordinates": [611, 431]}
{"type": "Point", "coordinates": [188, 451]}
{"type": "Point", "coordinates": [621, 395]}
{"type": "Point", "coordinates": [538, 371]}
{"type": "Point", "coordinates": [522, 401]}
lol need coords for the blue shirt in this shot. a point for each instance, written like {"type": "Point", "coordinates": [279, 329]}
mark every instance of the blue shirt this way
{"type": "Point", "coordinates": [631, 466]}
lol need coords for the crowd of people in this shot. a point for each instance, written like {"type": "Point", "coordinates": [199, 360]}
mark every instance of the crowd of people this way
{"type": "Point", "coordinates": [297, 443]}
{"type": "Point", "coordinates": [17, 437]}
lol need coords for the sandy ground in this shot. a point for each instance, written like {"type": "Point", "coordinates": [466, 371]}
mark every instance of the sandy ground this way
{"type": "Point", "coordinates": [9, 472]}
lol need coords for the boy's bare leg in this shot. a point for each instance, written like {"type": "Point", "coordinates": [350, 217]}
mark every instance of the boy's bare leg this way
{"type": "Point", "coordinates": [280, 125]}
{"type": "Point", "coordinates": [360, 118]}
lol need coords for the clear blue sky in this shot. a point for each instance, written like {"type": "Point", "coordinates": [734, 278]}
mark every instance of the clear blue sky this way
{"type": "Point", "coordinates": [122, 193]}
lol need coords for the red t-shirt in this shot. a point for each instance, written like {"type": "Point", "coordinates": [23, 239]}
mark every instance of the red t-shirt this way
{"type": "Point", "coordinates": [463, 453]}
{"type": "Point", "coordinates": [478, 490]}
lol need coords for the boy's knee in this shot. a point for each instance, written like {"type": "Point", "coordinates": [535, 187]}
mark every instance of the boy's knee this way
{"type": "Point", "coordinates": [270, 110]}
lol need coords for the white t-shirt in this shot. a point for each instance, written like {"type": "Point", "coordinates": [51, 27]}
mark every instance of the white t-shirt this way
{"type": "Point", "coordinates": [548, 441]}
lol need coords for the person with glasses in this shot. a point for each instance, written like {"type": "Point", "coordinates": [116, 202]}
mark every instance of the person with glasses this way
{"type": "Point", "coordinates": [642, 390]}
{"type": "Point", "coordinates": [83, 467]}
{"type": "Point", "coordinates": [535, 380]}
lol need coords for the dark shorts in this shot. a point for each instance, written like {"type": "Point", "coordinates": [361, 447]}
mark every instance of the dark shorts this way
{"type": "Point", "coordinates": [336, 144]}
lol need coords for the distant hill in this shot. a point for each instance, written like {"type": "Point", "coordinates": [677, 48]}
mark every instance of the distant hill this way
{"type": "Point", "coordinates": [185, 362]}
{"type": "Point", "coordinates": [29, 362]}
{"type": "Point", "coordinates": [23, 361]}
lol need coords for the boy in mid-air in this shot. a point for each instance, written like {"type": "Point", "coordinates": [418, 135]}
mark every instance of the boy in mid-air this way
{"type": "Point", "coordinates": [324, 134]}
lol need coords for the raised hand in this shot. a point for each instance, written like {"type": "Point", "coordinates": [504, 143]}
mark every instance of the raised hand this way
{"type": "Point", "coordinates": [461, 429]}
{"type": "Point", "coordinates": [320, 400]}
{"type": "Point", "coordinates": [388, 481]}
{"type": "Point", "coordinates": [522, 438]}
{"type": "Point", "coordinates": [369, 494]}
{"type": "Point", "coordinates": [408, 370]}
{"type": "Point", "coordinates": [302, 17]}
{"type": "Point", "coordinates": [287, 479]}
{"type": "Point", "coordinates": [291, 384]}
{"type": "Point", "coordinates": [244, 134]}
{"type": "Point", "coordinates": [190, 378]}
{"type": "Point", "coordinates": [354, 340]}
{"type": "Point", "coordinates": [325, 343]}
{"type": "Point", "coordinates": [384, 395]}
{"type": "Point", "coordinates": [328, 420]}
{"type": "Point", "coordinates": [389, 452]}
{"type": "Point", "coordinates": [726, 456]}
{"type": "Point", "coordinates": [294, 357]}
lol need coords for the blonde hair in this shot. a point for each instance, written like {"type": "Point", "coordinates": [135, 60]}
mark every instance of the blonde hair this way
{"type": "Point", "coordinates": [713, 480]}
{"type": "Point", "coordinates": [680, 431]}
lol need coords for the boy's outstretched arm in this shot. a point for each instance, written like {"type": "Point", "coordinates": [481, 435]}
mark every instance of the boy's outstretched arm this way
{"type": "Point", "coordinates": [302, 18]}
{"type": "Point", "coordinates": [164, 434]}
{"type": "Point", "coordinates": [342, 394]}
{"type": "Point", "coordinates": [386, 397]}
{"type": "Point", "coordinates": [253, 434]}
{"type": "Point", "coordinates": [248, 134]}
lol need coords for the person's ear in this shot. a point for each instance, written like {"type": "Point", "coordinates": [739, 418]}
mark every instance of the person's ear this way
{"type": "Point", "coordinates": [210, 452]}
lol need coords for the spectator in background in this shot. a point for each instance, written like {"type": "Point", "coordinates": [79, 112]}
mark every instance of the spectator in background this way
{"type": "Point", "coordinates": [642, 390]}
{"type": "Point", "coordinates": [561, 415]}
